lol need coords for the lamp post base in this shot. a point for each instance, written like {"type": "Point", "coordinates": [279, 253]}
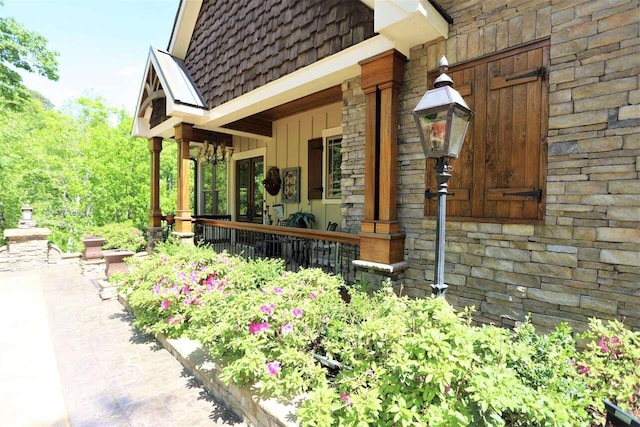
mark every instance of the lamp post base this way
{"type": "Point", "coordinates": [439, 289]}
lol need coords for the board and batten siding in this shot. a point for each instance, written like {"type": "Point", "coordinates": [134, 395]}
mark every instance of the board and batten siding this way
{"type": "Point", "coordinates": [289, 148]}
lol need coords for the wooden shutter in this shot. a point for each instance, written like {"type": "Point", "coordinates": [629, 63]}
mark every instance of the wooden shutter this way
{"type": "Point", "coordinates": [314, 163]}
{"type": "Point", "coordinates": [513, 149]}
{"type": "Point", "coordinates": [500, 172]}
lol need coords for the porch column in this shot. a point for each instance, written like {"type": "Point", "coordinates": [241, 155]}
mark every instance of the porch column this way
{"type": "Point", "coordinates": [154, 231]}
{"type": "Point", "coordinates": [155, 214]}
{"type": "Point", "coordinates": [380, 237]}
{"type": "Point", "coordinates": [183, 135]}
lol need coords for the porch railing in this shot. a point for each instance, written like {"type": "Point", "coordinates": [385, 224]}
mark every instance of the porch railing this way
{"type": "Point", "coordinates": [298, 247]}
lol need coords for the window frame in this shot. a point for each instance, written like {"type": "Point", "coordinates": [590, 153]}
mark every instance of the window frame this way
{"type": "Point", "coordinates": [214, 189]}
{"type": "Point", "coordinates": [327, 135]}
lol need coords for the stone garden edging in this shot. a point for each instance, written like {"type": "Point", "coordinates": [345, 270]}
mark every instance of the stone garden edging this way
{"type": "Point", "coordinates": [253, 410]}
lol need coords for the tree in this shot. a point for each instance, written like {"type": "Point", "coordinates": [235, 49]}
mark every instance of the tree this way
{"type": "Point", "coordinates": [26, 50]}
{"type": "Point", "coordinates": [78, 168]}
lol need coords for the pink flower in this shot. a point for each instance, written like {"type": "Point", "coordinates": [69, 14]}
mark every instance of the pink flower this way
{"type": "Point", "coordinates": [156, 289]}
{"type": "Point", "coordinates": [268, 309]}
{"type": "Point", "coordinates": [583, 369]}
{"type": "Point", "coordinates": [192, 299]}
{"type": "Point", "coordinates": [447, 388]}
{"type": "Point", "coordinates": [274, 368]}
{"type": "Point", "coordinates": [346, 399]}
{"type": "Point", "coordinates": [164, 305]}
{"type": "Point", "coordinates": [194, 276]}
{"type": "Point", "coordinates": [603, 344]}
{"type": "Point", "coordinates": [313, 295]}
{"type": "Point", "coordinates": [277, 291]}
{"type": "Point", "coordinates": [325, 319]}
{"type": "Point", "coordinates": [186, 290]}
{"type": "Point", "coordinates": [615, 340]}
{"type": "Point", "coordinates": [297, 313]}
{"type": "Point", "coordinates": [286, 329]}
{"type": "Point", "coordinates": [256, 327]}
{"type": "Point", "coordinates": [175, 320]}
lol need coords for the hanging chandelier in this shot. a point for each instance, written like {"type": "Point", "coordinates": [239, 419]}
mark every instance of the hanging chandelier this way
{"type": "Point", "coordinates": [214, 152]}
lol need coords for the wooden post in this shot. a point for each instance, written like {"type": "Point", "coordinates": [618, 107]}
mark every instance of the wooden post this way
{"type": "Point", "coordinates": [155, 214]}
{"type": "Point", "coordinates": [183, 135]}
{"type": "Point", "coordinates": [381, 78]}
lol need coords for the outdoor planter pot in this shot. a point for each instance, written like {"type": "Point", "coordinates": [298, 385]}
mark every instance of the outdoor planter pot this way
{"type": "Point", "coordinates": [93, 247]}
{"type": "Point", "coordinates": [115, 261]}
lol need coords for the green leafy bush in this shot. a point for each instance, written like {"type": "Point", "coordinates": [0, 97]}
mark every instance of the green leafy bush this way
{"type": "Point", "coordinates": [381, 359]}
{"type": "Point", "coordinates": [121, 236]}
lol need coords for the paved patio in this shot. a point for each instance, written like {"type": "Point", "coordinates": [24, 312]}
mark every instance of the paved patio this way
{"type": "Point", "coordinates": [70, 359]}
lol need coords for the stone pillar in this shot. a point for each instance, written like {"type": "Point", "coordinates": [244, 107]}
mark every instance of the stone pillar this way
{"type": "Point", "coordinates": [28, 248]}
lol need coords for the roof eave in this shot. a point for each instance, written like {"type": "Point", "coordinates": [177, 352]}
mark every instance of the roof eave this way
{"type": "Point", "coordinates": [183, 27]}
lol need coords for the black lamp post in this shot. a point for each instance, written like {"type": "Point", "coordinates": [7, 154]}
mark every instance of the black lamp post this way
{"type": "Point", "coordinates": [442, 118]}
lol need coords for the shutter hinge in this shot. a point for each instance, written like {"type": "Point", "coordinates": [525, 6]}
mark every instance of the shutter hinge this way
{"type": "Point", "coordinates": [534, 193]}
{"type": "Point", "coordinates": [542, 71]}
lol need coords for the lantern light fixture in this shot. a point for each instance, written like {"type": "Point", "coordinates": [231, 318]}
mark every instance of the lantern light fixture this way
{"type": "Point", "coordinates": [442, 118]}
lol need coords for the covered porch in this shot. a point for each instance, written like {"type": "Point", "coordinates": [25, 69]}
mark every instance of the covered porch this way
{"type": "Point", "coordinates": [322, 131]}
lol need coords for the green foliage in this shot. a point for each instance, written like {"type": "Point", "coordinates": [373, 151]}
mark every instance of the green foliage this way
{"type": "Point", "coordinates": [121, 236]}
{"type": "Point", "coordinates": [26, 50]}
{"type": "Point", "coordinates": [297, 219]}
{"type": "Point", "coordinates": [381, 359]}
{"type": "Point", "coordinates": [90, 171]}
{"type": "Point", "coordinates": [610, 366]}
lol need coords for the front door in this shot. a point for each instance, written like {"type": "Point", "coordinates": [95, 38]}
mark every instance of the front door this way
{"type": "Point", "coordinates": [250, 193]}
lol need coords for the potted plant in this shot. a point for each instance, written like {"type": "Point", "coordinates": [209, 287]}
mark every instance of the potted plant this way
{"type": "Point", "coordinates": [123, 240]}
{"type": "Point", "coordinates": [301, 219]}
{"type": "Point", "coordinates": [273, 181]}
{"type": "Point", "coordinates": [169, 218]}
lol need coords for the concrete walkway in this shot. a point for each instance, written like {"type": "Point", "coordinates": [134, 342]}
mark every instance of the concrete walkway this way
{"type": "Point", "coordinates": [69, 359]}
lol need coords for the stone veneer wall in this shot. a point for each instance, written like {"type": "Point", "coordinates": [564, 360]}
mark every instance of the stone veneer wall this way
{"type": "Point", "coordinates": [352, 168]}
{"type": "Point", "coordinates": [584, 260]}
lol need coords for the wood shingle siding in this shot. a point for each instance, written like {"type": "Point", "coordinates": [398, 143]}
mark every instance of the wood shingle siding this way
{"type": "Point", "coordinates": [240, 46]}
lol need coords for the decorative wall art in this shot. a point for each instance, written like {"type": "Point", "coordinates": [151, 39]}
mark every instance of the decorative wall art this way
{"type": "Point", "coordinates": [278, 211]}
{"type": "Point", "coordinates": [291, 185]}
{"type": "Point", "coordinates": [272, 182]}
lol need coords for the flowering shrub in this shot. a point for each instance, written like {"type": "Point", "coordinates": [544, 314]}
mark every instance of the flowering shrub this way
{"type": "Point", "coordinates": [121, 236]}
{"type": "Point", "coordinates": [380, 359]}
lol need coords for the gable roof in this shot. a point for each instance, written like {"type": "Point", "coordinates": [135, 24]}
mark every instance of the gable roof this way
{"type": "Point", "coordinates": [166, 77]}
{"type": "Point", "coordinates": [400, 24]}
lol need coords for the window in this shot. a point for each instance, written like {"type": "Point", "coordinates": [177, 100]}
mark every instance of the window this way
{"type": "Point", "coordinates": [333, 163]}
{"type": "Point", "coordinates": [250, 191]}
{"type": "Point", "coordinates": [214, 188]}
{"type": "Point", "coordinates": [501, 171]}
{"type": "Point", "coordinates": [325, 163]}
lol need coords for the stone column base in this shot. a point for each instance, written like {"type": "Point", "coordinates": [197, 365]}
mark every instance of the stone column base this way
{"type": "Point", "coordinates": [184, 238]}
{"type": "Point", "coordinates": [94, 268]}
{"type": "Point", "coordinates": [154, 236]}
{"type": "Point", "coordinates": [374, 273]}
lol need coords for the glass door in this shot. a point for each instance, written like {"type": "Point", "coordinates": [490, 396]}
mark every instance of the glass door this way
{"type": "Point", "coordinates": [250, 192]}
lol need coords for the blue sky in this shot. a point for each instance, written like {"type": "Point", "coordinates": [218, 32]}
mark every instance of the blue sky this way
{"type": "Point", "coordinates": [103, 44]}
